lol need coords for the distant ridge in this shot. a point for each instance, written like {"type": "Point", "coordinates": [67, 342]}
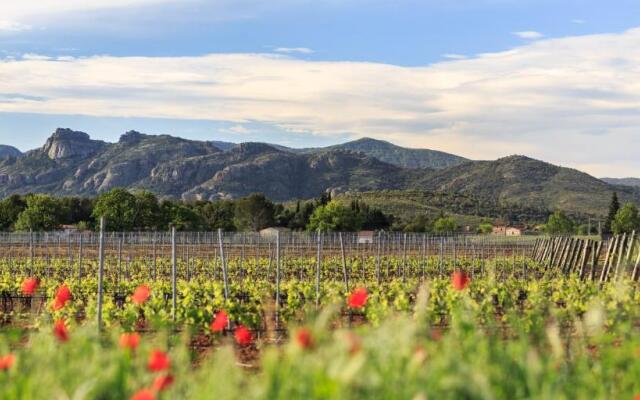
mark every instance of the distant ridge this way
{"type": "Point", "coordinates": [635, 182]}
{"type": "Point", "coordinates": [396, 155]}
{"type": "Point", "coordinates": [9, 151]}
{"type": "Point", "coordinates": [71, 163]}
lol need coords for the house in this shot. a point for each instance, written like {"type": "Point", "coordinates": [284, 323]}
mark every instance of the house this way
{"type": "Point", "coordinates": [272, 232]}
{"type": "Point", "coordinates": [506, 231]}
{"type": "Point", "coordinates": [69, 229]}
{"type": "Point", "coordinates": [365, 237]}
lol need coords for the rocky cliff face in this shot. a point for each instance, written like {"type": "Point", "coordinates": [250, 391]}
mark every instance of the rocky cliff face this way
{"type": "Point", "coordinates": [70, 163]}
{"type": "Point", "coordinates": [65, 143]}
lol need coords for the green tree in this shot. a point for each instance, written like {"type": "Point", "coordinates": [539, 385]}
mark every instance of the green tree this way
{"type": "Point", "coordinates": [445, 225]}
{"type": "Point", "coordinates": [118, 207]}
{"type": "Point", "coordinates": [43, 213]}
{"type": "Point", "coordinates": [254, 212]}
{"type": "Point", "coordinates": [217, 215]}
{"type": "Point", "coordinates": [559, 224]}
{"type": "Point", "coordinates": [626, 220]}
{"type": "Point", "coordinates": [334, 217]}
{"type": "Point", "coordinates": [148, 214]}
{"type": "Point", "coordinates": [75, 209]}
{"type": "Point", "coordinates": [485, 228]}
{"type": "Point", "coordinates": [180, 216]}
{"type": "Point", "coordinates": [10, 209]}
{"type": "Point", "coordinates": [421, 223]}
{"type": "Point", "coordinates": [614, 206]}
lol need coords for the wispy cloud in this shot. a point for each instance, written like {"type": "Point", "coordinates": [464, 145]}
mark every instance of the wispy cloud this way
{"type": "Point", "coordinates": [529, 35]}
{"type": "Point", "coordinates": [13, 26]}
{"type": "Point", "coordinates": [578, 21]}
{"type": "Point", "coordinates": [35, 57]}
{"type": "Point", "coordinates": [290, 50]}
{"type": "Point", "coordinates": [453, 56]}
{"type": "Point", "coordinates": [554, 99]}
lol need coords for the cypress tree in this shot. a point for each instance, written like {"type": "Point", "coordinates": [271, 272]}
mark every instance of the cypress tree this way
{"type": "Point", "coordinates": [613, 210]}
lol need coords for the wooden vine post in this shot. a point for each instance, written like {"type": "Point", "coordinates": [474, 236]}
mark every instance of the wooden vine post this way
{"type": "Point", "coordinates": [100, 271]}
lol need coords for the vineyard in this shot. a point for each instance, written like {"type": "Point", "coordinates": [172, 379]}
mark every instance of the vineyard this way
{"type": "Point", "coordinates": [302, 315]}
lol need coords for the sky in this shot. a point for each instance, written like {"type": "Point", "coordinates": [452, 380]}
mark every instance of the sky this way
{"type": "Point", "coordinates": [557, 80]}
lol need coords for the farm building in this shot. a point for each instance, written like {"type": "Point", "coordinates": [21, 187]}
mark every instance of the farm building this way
{"type": "Point", "coordinates": [271, 232]}
{"type": "Point", "coordinates": [365, 237]}
{"type": "Point", "coordinates": [507, 231]}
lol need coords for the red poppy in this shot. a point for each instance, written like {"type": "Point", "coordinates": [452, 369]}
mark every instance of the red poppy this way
{"type": "Point", "coordinates": [162, 382]}
{"type": "Point", "coordinates": [636, 397]}
{"type": "Point", "coordinates": [60, 330]}
{"type": "Point", "coordinates": [358, 298]}
{"type": "Point", "coordinates": [63, 295]}
{"type": "Point", "coordinates": [243, 335]}
{"type": "Point", "coordinates": [143, 394]}
{"type": "Point", "coordinates": [29, 286]}
{"type": "Point", "coordinates": [129, 341]}
{"type": "Point", "coordinates": [141, 295]}
{"type": "Point", "coordinates": [460, 280]}
{"type": "Point", "coordinates": [158, 361]}
{"type": "Point", "coordinates": [304, 338]}
{"type": "Point", "coordinates": [219, 322]}
{"type": "Point", "coordinates": [436, 334]}
{"type": "Point", "coordinates": [6, 362]}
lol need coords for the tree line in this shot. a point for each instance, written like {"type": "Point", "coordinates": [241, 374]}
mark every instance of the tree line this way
{"type": "Point", "coordinates": [143, 211]}
{"type": "Point", "coordinates": [620, 219]}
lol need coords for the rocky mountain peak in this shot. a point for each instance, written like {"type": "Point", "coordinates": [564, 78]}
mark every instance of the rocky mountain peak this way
{"type": "Point", "coordinates": [131, 137]}
{"type": "Point", "coordinates": [253, 148]}
{"type": "Point", "coordinates": [67, 143]}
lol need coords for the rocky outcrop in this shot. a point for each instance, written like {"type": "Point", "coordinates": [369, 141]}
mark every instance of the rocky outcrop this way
{"type": "Point", "coordinates": [66, 143]}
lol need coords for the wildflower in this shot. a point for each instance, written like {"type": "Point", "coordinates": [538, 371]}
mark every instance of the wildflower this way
{"type": "Point", "coordinates": [129, 341]}
{"type": "Point", "coordinates": [220, 322]}
{"type": "Point", "coordinates": [358, 298]}
{"type": "Point", "coordinates": [304, 338]}
{"type": "Point", "coordinates": [60, 330]}
{"type": "Point", "coordinates": [7, 361]}
{"type": "Point", "coordinates": [243, 335]}
{"type": "Point", "coordinates": [63, 295]}
{"type": "Point", "coordinates": [419, 355]}
{"type": "Point", "coordinates": [353, 342]}
{"type": "Point", "coordinates": [162, 382]}
{"type": "Point", "coordinates": [460, 280]}
{"type": "Point", "coordinates": [29, 286]}
{"type": "Point", "coordinates": [436, 334]}
{"type": "Point", "coordinates": [141, 295]}
{"type": "Point", "coordinates": [143, 394]}
{"type": "Point", "coordinates": [158, 361]}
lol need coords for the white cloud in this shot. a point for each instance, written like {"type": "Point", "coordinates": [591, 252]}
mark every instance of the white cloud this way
{"type": "Point", "coordinates": [23, 8]}
{"type": "Point", "coordinates": [529, 35]}
{"type": "Point", "coordinates": [13, 26]}
{"type": "Point", "coordinates": [573, 101]}
{"type": "Point", "coordinates": [453, 56]}
{"type": "Point", "coordinates": [290, 50]}
{"type": "Point", "coordinates": [35, 57]}
{"type": "Point", "coordinates": [21, 15]}
{"type": "Point", "coordinates": [578, 21]}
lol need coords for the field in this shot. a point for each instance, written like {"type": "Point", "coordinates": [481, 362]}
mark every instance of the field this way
{"type": "Point", "coordinates": [294, 316]}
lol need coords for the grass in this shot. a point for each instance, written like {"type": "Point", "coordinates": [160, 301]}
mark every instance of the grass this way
{"type": "Point", "coordinates": [402, 357]}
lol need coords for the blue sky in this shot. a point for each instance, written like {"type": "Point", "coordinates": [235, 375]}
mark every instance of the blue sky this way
{"type": "Point", "coordinates": [538, 77]}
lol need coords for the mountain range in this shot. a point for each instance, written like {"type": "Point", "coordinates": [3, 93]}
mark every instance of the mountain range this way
{"type": "Point", "coordinates": [71, 163]}
{"type": "Point", "coordinates": [623, 181]}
